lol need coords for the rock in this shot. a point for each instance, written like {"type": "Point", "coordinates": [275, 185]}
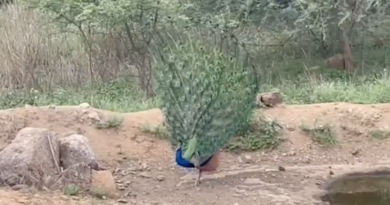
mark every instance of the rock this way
{"type": "Point", "coordinates": [75, 149]}
{"type": "Point", "coordinates": [121, 187]}
{"type": "Point", "coordinates": [31, 158]}
{"type": "Point", "coordinates": [84, 105]}
{"type": "Point", "coordinates": [123, 201]}
{"type": "Point", "coordinates": [79, 175]}
{"type": "Point", "coordinates": [379, 43]}
{"type": "Point", "coordinates": [144, 175]}
{"type": "Point", "coordinates": [103, 182]}
{"type": "Point", "coordinates": [248, 159]}
{"type": "Point", "coordinates": [94, 116]}
{"type": "Point", "coordinates": [356, 152]}
{"type": "Point", "coordinates": [19, 187]}
{"type": "Point", "coordinates": [252, 181]}
{"type": "Point", "coordinates": [27, 106]}
{"type": "Point", "coordinates": [160, 178]}
{"type": "Point", "coordinates": [271, 99]}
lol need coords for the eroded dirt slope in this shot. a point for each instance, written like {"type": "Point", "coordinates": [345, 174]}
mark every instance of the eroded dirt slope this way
{"type": "Point", "coordinates": [146, 172]}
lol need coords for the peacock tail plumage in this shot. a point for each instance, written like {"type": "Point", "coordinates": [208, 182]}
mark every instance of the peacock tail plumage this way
{"type": "Point", "coordinates": [206, 94]}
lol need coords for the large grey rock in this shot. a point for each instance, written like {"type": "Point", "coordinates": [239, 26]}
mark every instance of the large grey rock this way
{"type": "Point", "coordinates": [75, 149]}
{"type": "Point", "coordinates": [32, 158]}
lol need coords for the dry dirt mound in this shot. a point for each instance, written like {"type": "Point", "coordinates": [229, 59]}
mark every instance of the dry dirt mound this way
{"type": "Point", "coordinates": [145, 173]}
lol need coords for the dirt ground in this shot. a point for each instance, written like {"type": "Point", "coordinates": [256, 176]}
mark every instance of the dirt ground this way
{"type": "Point", "coordinates": [144, 166]}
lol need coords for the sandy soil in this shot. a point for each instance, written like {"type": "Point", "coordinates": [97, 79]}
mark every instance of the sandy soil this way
{"type": "Point", "coordinates": [146, 164]}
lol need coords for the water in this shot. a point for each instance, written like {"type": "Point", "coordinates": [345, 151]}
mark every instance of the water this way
{"type": "Point", "coordinates": [364, 188]}
{"type": "Point", "coordinates": [361, 198]}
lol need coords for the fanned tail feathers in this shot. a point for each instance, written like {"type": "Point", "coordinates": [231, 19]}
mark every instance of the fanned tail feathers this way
{"type": "Point", "coordinates": [205, 95]}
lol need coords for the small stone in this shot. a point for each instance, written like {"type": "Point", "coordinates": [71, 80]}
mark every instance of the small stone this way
{"type": "Point", "coordinates": [84, 105]}
{"type": "Point", "coordinates": [144, 166]}
{"type": "Point", "coordinates": [144, 175]}
{"type": "Point", "coordinates": [252, 181]}
{"type": "Point", "coordinates": [131, 194]}
{"type": "Point", "coordinates": [290, 128]}
{"type": "Point", "coordinates": [248, 159]}
{"type": "Point", "coordinates": [52, 106]}
{"type": "Point", "coordinates": [306, 160]}
{"type": "Point", "coordinates": [121, 187]}
{"type": "Point", "coordinates": [160, 178]}
{"type": "Point", "coordinates": [19, 187]}
{"type": "Point", "coordinates": [127, 183]}
{"type": "Point", "coordinates": [270, 99]}
{"type": "Point", "coordinates": [123, 201]}
{"type": "Point", "coordinates": [94, 116]}
{"type": "Point", "coordinates": [27, 106]}
{"type": "Point", "coordinates": [124, 172]}
{"type": "Point", "coordinates": [282, 169]}
{"type": "Point", "coordinates": [23, 201]}
{"type": "Point", "coordinates": [133, 201]}
{"type": "Point", "coordinates": [356, 152]}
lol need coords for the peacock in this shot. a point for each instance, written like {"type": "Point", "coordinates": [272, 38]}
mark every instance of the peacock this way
{"type": "Point", "coordinates": [207, 96]}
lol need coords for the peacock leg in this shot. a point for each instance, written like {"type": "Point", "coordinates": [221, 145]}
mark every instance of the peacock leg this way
{"type": "Point", "coordinates": [197, 182]}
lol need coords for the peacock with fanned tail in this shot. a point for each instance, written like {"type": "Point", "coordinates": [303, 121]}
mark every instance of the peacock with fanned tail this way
{"type": "Point", "coordinates": [206, 97]}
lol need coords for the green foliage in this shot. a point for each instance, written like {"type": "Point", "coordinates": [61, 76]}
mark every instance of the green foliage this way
{"type": "Point", "coordinates": [322, 19]}
{"type": "Point", "coordinates": [158, 131]}
{"type": "Point", "coordinates": [110, 40]}
{"type": "Point", "coordinates": [380, 134]}
{"type": "Point", "coordinates": [202, 90]}
{"type": "Point", "coordinates": [72, 190]}
{"type": "Point", "coordinates": [6, 2]}
{"type": "Point", "coordinates": [114, 121]}
{"type": "Point", "coordinates": [101, 16]}
{"type": "Point", "coordinates": [116, 96]}
{"type": "Point", "coordinates": [322, 133]}
{"type": "Point", "coordinates": [261, 134]}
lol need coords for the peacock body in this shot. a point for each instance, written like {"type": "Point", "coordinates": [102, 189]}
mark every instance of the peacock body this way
{"type": "Point", "coordinates": [205, 96]}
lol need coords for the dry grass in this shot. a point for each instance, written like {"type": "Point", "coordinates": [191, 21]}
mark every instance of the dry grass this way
{"type": "Point", "coordinates": [34, 54]}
